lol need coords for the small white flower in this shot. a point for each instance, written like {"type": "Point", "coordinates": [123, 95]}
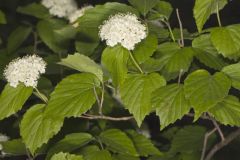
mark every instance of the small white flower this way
{"type": "Point", "coordinates": [26, 70]}
{"type": "Point", "coordinates": [78, 13]}
{"type": "Point", "coordinates": [124, 29]}
{"type": "Point", "coordinates": [60, 8]}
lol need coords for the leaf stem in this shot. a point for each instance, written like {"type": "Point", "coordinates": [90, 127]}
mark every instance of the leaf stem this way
{"type": "Point", "coordinates": [135, 63]}
{"type": "Point", "coordinates": [170, 30]}
{"type": "Point", "coordinates": [181, 28]}
{"type": "Point", "coordinates": [95, 117]}
{"type": "Point", "coordinates": [41, 96]}
{"type": "Point", "coordinates": [102, 99]}
{"type": "Point", "coordinates": [207, 135]}
{"type": "Point", "coordinates": [218, 16]}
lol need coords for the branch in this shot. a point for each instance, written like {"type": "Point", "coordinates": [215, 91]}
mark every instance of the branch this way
{"type": "Point", "coordinates": [92, 117]}
{"type": "Point", "coordinates": [221, 144]}
{"type": "Point", "coordinates": [207, 135]}
{"type": "Point", "coordinates": [181, 28]}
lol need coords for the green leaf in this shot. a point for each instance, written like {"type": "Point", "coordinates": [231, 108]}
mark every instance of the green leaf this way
{"type": "Point", "coordinates": [205, 90]}
{"type": "Point", "coordinates": [189, 139]}
{"type": "Point", "coordinates": [87, 150]}
{"type": "Point", "coordinates": [99, 155]}
{"type": "Point", "coordinates": [13, 99]}
{"type": "Point", "coordinates": [2, 18]}
{"type": "Point", "coordinates": [46, 30]}
{"type": "Point", "coordinates": [70, 143]}
{"type": "Point", "coordinates": [115, 59]}
{"type": "Point", "coordinates": [145, 49]}
{"type": "Point", "coordinates": [66, 156]}
{"type": "Point", "coordinates": [73, 96]}
{"type": "Point", "coordinates": [35, 10]}
{"type": "Point", "coordinates": [226, 40]}
{"type": "Point", "coordinates": [17, 37]}
{"type": "Point", "coordinates": [36, 129]}
{"type": "Point", "coordinates": [227, 112]}
{"type": "Point", "coordinates": [232, 71]}
{"type": "Point", "coordinates": [170, 103]}
{"type": "Point", "coordinates": [136, 93]}
{"type": "Point", "coordinates": [124, 157]}
{"type": "Point", "coordinates": [203, 9]}
{"type": "Point", "coordinates": [118, 141]}
{"type": "Point", "coordinates": [144, 6]}
{"type": "Point", "coordinates": [93, 18]}
{"type": "Point", "coordinates": [83, 64]}
{"type": "Point", "coordinates": [14, 147]}
{"type": "Point", "coordinates": [84, 47]}
{"type": "Point", "coordinates": [206, 53]}
{"type": "Point", "coordinates": [143, 145]}
{"type": "Point", "coordinates": [164, 8]}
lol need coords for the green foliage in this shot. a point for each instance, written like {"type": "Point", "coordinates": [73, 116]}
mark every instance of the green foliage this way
{"type": "Point", "coordinates": [66, 156]}
{"type": "Point", "coordinates": [99, 155]}
{"type": "Point", "coordinates": [34, 9]}
{"type": "Point", "coordinates": [144, 6]}
{"type": "Point", "coordinates": [2, 18]}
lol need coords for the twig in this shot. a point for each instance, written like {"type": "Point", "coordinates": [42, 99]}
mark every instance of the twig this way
{"type": "Point", "coordinates": [218, 129]}
{"type": "Point", "coordinates": [135, 63]}
{"type": "Point", "coordinates": [221, 144]}
{"type": "Point", "coordinates": [93, 117]}
{"type": "Point", "coordinates": [181, 28]}
{"type": "Point", "coordinates": [207, 135]}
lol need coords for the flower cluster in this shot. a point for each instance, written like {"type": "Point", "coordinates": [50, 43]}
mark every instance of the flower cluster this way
{"type": "Point", "coordinates": [124, 29]}
{"type": "Point", "coordinates": [78, 13]}
{"type": "Point", "coordinates": [60, 8]}
{"type": "Point", "coordinates": [26, 70]}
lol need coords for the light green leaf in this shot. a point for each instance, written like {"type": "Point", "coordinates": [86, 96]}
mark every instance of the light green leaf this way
{"type": "Point", "coordinates": [17, 37]}
{"type": "Point", "coordinates": [73, 96]}
{"type": "Point", "coordinates": [145, 49]}
{"type": "Point", "coordinates": [14, 147]}
{"type": "Point", "coordinates": [227, 111]}
{"type": "Point", "coordinates": [170, 103]}
{"type": "Point", "coordinates": [203, 9]}
{"type": "Point", "coordinates": [2, 18]}
{"type": "Point", "coordinates": [136, 93]}
{"type": "Point", "coordinates": [204, 90]}
{"type": "Point", "coordinates": [36, 129]}
{"type": "Point", "coordinates": [66, 156]}
{"type": "Point", "coordinates": [227, 40]}
{"type": "Point", "coordinates": [144, 6]}
{"type": "Point", "coordinates": [164, 8]}
{"type": "Point", "coordinates": [35, 10]}
{"type": "Point", "coordinates": [13, 99]}
{"type": "Point", "coordinates": [115, 59]}
{"type": "Point", "coordinates": [143, 145]}
{"type": "Point", "coordinates": [233, 72]}
{"type": "Point", "coordinates": [87, 150]}
{"type": "Point", "coordinates": [189, 139]}
{"type": "Point", "coordinates": [99, 155]}
{"type": "Point", "coordinates": [118, 141]}
{"type": "Point", "coordinates": [70, 143]}
{"type": "Point", "coordinates": [206, 53]}
{"type": "Point", "coordinates": [83, 64]}
{"type": "Point", "coordinates": [124, 157]}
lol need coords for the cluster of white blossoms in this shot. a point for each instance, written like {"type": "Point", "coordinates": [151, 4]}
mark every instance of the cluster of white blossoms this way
{"type": "Point", "coordinates": [78, 13]}
{"type": "Point", "coordinates": [124, 29]}
{"type": "Point", "coordinates": [26, 70]}
{"type": "Point", "coordinates": [60, 8]}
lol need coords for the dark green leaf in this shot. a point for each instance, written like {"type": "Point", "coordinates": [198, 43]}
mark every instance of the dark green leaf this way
{"type": "Point", "coordinates": [14, 147]}
{"type": "Point", "coordinates": [144, 6]}
{"type": "Point", "coordinates": [2, 18]}
{"type": "Point", "coordinates": [99, 155]}
{"type": "Point", "coordinates": [35, 10]}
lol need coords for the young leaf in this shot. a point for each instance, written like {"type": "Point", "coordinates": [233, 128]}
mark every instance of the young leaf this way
{"type": "Point", "coordinates": [70, 143]}
{"type": "Point", "coordinates": [66, 156]}
{"type": "Point", "coordinates": [73, 96]}
{"type": "Point", "coordinates": [144, 6]}
{"type": "Point", "coordinates": [35, 10]}
{"type": "Point", "coordinates": [227, 111]}
{"type": "Point", "coordinates": [99, 155]}
{"type": "Point", "coordinates": [13, 99]}
{"type": "Point", "coordinates": [115, 59]}
{"type": "Point", "coordinates": [83, 64]}
{"type": "Point", "coordinates": [145, 49]}
{"type": "Point", "coordinates": [232, 71]}
{"type": "Point", "coordinates": [204, 90]}
{"type": "Point", "coordinates": [118, 141]}
{"type": "Point", "coordinates": [227, 40]}
{"type": "Point", "coordinates": [136, 93]}
{"type": "Point", "coordinates": [143, 145]}
{"type": "Point", "coordinates": [36, 129]}
{"type": "Point", "coordinates": [206, 53]}
{"type": "Point", "coordinates": [2, 18]}
{"type": "Point", "coordinates": [170, 103]}
{"type": "Point", "coordinates": [203, 9]}
{"type": "Point", "coordinates": [17, 37]}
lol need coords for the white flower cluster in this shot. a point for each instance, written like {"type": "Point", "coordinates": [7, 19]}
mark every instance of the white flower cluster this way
{"type": "Point", "coordinates": [60, 8]}
{"type": "Point", "coordinates": [26, 70]}
{"type": "Point", "coordinates": [124, 29]}
{"type": "Point", "coordinates": [78, 13]}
